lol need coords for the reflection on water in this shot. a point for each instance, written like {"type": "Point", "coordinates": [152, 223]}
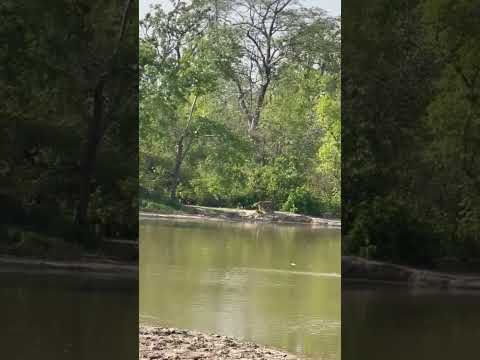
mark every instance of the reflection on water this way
{"type": "Point", "coordinates": [397, 324]}
{"type": "Point", "coordinates": [67, 316]}
{"type": "Point", "coordinates": [275, 285]}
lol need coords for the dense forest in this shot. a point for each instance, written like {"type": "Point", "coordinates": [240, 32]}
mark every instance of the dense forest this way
{"type": "Point", "coordinates": [411, 130]}
{"type": "Point", "coordinates": [240, 103]}
{"type": "Point", "coordinates": [68, 120]}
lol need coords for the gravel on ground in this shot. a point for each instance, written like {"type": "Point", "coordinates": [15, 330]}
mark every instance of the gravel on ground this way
{"type": "Point", "coordinates": [169, 344]}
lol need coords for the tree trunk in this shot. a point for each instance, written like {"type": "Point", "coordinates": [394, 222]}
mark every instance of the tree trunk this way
{"type": "Point", "coordinates": [86, 173]}
{"type": "Point", "coordinates": [88, 162]}
{"type": "Point", "coordinates": [180, 152]}
{"type": "Point", "coordinates": [255, 117]}
{"type": "Point", "coordinates": [96, 127]}
{"type": "Point", "coordinates": [176, 171]}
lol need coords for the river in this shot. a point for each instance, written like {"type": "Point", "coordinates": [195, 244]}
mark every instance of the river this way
{"type": "Point", "coordinates": [277, 285]}
{"type": "Point", "coordinates": [67, 315]}
{"type": "Point", "coordinates": [397, 323]}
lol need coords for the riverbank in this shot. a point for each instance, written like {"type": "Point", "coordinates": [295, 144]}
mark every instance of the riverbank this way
{"type": "Point", "coordinates": [36, 252]}
{"type": "Point", "coordinates": [192, 212]}
{"type": "Point", "coordinates": [91, 265]}
{"type": "Point", "coordinates": [26, 243]}
{"type": "Point", "coordinates": [165, 343]}
{"type": "Point", "coordinates": [356, 269]}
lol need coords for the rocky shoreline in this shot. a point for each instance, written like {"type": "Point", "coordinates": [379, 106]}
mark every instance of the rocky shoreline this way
{"type": "Point", "coordinates": [170, 344]}
{"type": "Point", "coordinates": [221, 214]}
{"type": "Point", "coordinates": [363, 270]}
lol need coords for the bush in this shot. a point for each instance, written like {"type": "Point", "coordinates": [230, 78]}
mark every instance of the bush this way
{"type": "Point", "coordinates": [387, 229]}
{"type": "Point", "coordinates": [301, 201]}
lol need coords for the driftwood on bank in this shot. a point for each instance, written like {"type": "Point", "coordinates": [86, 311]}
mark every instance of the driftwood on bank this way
{"type": "Point", "coordinates": [355, 268]}
{"type": "Point", "coordinates": [207, 213]}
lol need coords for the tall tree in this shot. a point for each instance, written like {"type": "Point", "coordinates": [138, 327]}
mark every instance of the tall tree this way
{"type": "Point", "coordinates": [229, 91]}
{"type": "Point", "coordinates": [181, 70]}
{"type": "Point", "coordinates": [99, 73]}
{"type": "Point", "coordinates": [262, 26]}
{"type": "Point", "coordinates": [270, 31]}
{"type": "Point", "coordinates": [78, 92]}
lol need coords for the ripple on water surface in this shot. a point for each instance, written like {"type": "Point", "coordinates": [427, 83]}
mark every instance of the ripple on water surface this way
{"type": "Point", "coordinates": [240, 281]}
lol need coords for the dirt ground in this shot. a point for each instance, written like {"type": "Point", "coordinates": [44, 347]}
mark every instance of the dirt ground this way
{"type": "Point", "coordinates": [170, 344]}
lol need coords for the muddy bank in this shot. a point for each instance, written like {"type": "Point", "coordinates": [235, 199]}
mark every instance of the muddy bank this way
{"type": "Point", "coordinates": [93, 265]}
{"type": "Point", "coordinates": [163, 343]}
{"type": "Point", "coordinates": [223, 214]}
{"type": "Point", "coordinates": [359, 269]}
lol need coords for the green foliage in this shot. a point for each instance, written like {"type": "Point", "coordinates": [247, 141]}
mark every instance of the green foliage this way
{"type": "Point", "coordinates": [225, 162]}
{"type": "Point", "coordinates": [329, 153]}
{"type": "Point", "coordinates": [411, 131]}
{"type": "Point", "coordinates": [301, 200]}
{"type": "Point", "coordinates": [386, 229]}
{"type": "Point", "coordinates": [48, 87]}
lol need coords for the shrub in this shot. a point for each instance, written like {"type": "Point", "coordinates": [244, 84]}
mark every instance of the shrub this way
{"type": "Point", "coordinates": [387, 229]}
{"type": "Point", "coordinates": [301, 200]}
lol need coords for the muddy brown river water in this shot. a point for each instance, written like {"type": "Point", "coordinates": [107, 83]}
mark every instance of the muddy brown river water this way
{"type": "Point", "coordinates": [67, 316]}
{"type": "Point", "coordinates": [276, 285]}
